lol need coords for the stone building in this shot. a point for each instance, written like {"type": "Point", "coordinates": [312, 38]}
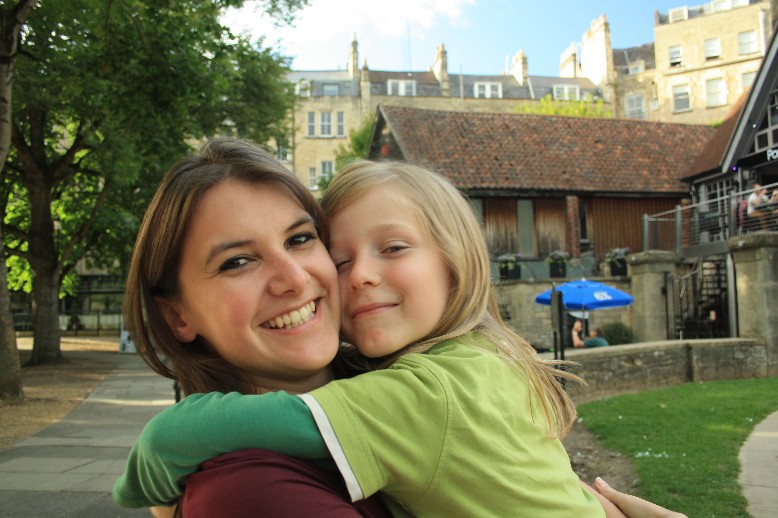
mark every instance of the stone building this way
{"type": "Point", "coordinates": [330, 103]}
{"type": "Point", "coordinates": [700, 62]}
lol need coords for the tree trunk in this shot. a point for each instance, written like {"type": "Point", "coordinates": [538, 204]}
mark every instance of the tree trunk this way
{"type": "Point", "coordinates": [11, 19]}
{"type": "Point", "coordinates": [45, 320]}
{"type": "Point", "coordinates": [10, 371]}
{"type": "Point", "coordinates": [45, 283]}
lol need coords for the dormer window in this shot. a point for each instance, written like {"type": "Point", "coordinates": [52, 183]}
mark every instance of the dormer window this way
{"type": "Point", "coordinates": [330, 90]}
{"type": "Point", "coordinates": [567, 92]}
{"type": "Point", "coordinates": [402, 87]}
{"type": "Point", "coordinates": [303, 88]}
{"type": "Point", "coordinates": [636, 68]}
{"type": "Point", "coordinates": [487, 90]}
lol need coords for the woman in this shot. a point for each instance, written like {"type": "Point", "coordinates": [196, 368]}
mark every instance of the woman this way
{"type": "Point", "coordinates": [231, 288]}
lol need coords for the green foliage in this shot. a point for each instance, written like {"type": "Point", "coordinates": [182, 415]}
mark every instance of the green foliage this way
{"type": "Point", "coordinates": [581, 108]}
{"type": "Point", "coordinates": [107, 95]}
{"type": "Point", "coordinates": [358, 146]}
{"type": "Point", "coordinates": [685, 440]}
{"type": "Point", "coordinates": [618, 333]}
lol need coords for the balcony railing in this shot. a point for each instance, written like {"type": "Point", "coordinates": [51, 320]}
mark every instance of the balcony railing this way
{"type": "Point", "coordinates": [703, 228]}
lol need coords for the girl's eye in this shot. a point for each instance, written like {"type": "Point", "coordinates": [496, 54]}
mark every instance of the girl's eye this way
{"type": "Point", "coordinates": [395, 248]}
{"type": "Point", "coordinates": [233, 263]}
{"type": "Point", "coordinates": [340, 264]}
{"type": "Point", "coordinates": [302, 238]}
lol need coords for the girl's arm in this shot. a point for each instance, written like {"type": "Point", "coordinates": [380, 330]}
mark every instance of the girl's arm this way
{"type": "Point", "coordinates": [177, 440]}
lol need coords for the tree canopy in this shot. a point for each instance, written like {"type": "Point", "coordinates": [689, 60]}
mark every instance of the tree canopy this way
{"type": "Point", "coordinates": [107, 95]}
{"type": "Point", "coordinates": [580, 108]}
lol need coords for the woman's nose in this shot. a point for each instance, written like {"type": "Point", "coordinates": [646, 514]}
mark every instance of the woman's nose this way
{"type": "Point", "coordinates": [288, 275]}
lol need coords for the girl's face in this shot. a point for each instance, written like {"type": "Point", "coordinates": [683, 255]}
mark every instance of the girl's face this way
{"type": "Point", "coordinates": [394, 284]}
{"type": "Point", "coordinates": [258, 287]}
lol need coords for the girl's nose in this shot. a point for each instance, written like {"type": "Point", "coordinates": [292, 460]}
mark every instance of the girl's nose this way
{"type": "Point", "coordinates": [363, 273]}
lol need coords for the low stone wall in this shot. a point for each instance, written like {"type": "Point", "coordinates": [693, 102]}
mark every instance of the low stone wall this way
{"type": "Point", "coordinates": [637, 367]}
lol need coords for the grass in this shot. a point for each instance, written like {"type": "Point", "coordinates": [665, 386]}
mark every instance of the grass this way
{"type": "Point", "coordinates": [685, 440]}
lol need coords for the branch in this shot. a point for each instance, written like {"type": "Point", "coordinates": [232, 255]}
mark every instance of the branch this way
{"type": "Point", "coordinates": [60, 170]}
{"type": "Point", "coordinates": [13, 230]}
{"type": "Point", "coordinates": [67, 250]}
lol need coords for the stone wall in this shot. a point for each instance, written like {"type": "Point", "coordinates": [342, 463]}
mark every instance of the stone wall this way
{"type": "Point", "coordinates": [637, 367]}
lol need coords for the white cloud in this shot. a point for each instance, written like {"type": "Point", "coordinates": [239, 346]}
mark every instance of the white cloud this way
{"type": "Point", "coordinates": [322, 32]}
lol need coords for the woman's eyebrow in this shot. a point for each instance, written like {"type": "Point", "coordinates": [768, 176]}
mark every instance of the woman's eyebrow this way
{"type": "Point", "coordinates": [221, 247]}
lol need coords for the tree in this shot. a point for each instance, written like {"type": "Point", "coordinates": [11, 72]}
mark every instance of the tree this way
{"type": "Point", "coordinates": [581, 108]}
{"type": "Point", "coordinates": [12, 18]}
{"type": "Point", "coordinates": [106, 97]}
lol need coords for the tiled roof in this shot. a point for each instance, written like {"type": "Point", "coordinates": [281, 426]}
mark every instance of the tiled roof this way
{"type": "Point", "coordinates": [712, 155]}
{"type": "Point", "coordinates": [538, 152]}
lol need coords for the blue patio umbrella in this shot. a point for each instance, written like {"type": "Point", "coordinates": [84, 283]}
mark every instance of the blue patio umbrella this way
{"type": "Point", "coordinates": [586, 295]}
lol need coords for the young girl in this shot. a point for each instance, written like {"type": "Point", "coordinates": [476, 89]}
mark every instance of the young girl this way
{"type": "Point", "coordinates": [460, 418]}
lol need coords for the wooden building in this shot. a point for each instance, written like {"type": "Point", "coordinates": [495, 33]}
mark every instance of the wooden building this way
{"type": "Point", "coordinates": [544, 183]}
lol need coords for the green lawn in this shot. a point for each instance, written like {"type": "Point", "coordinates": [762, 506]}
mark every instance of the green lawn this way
{"type": "Point", "coordinates": [685, 440]}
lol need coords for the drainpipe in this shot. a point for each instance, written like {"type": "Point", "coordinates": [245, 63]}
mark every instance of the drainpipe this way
{"type": "Point", "coordinates": [732, 297]}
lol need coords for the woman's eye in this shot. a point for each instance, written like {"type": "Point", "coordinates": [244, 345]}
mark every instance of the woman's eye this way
{"type": "Point", "coordinates": [233, 263]}
{"type": "Point", "coordinates": [302, 238]}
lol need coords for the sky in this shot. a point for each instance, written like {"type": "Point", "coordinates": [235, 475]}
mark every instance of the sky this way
{"type": "Point", "coordinates": [480, 36]}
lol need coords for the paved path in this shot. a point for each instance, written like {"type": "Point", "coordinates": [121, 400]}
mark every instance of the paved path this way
{"type": "Point", "coordinates": [68, 469]}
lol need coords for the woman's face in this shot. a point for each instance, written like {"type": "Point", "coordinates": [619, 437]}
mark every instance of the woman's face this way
{"type": "Point", "coordinates": [258, 286]}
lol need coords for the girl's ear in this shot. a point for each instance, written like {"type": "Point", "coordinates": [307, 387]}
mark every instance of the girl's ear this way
{"type": "Point", "coordinates": [181, 328]}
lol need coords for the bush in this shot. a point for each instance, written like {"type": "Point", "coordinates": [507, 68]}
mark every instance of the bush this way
{"type": "Point", "coordinates": [617, 333]}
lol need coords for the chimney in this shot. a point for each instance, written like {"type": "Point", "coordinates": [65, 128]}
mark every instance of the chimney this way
{"type": "Point", "coordinates": [440, 69]}
{"type": "Point", "coordinates": [519, 68]}
{"type": "Point", "coordinates": [353, 58]}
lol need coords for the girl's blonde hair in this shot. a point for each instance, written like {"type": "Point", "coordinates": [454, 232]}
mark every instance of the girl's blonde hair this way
{"type": "Point", "coordinates": [447, 216]}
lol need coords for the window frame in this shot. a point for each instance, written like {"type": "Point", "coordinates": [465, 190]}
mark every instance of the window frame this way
{"type": "Point", "coordinates": [488, 87]}
{"type": "Point", "coordinates": [712, 48]}
{"type": "Point", "coordinates": [634, 112]}
{"type": "Point", "coordinates": [340, 124]}
{"type": "Point", "coordinates": [327, 90]}
{"type": "Point", "coordinates": [401, 87]}
{"type": "Point", "coordinates": [565, 92]}
{"type": "Point", "coordinates": [325, 124]}
{"type": "Point", "coordinates": [313, 179]}
{"type": "Point", "coordinates": [743, 44]}
{"type": "Point", "coordinates": [675, 56]}
{"type": "Point", "coordinates": [688, 94]}
{"type": "Point", "coordinates": [311, 124]}
{"type": "Point", "coordinates": [720, 93]}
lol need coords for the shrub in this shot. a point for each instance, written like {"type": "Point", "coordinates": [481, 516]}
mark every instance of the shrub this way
{"type": "Point", "coordinates": [617, 333]}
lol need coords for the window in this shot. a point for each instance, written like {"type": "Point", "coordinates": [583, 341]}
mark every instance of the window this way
{"type": "Point", "coordinates": [676, 56]}
{"type": "Point", "coordinates": [311, 124]}
{"type": "Point", "coordinates": [636, 68]}
{"type": "Point", "coordinates": [405, 87]}
{"type": "Point", "coordinates": [715, 92]}
{"type": "Point", "coordinates": [341, 124]}
{"type": "Point", "coordinates": [330, 90]}
{"type": "Point", "coordinates": [748, 79]}
{"type": "Point", "coordinates": [681, 101]}
{"type": "Point", "coordinates": [326, 170]}
{"type": "Point", "coordinates": [313, 181]}
{"type": "Point", "coordinates": [712, 48]}
{"type": "Point", "coordinates": [325, 124]}
{"type": "Point", "coordinates": [634, 107]}
{"type": "Point", "coordinates": [678, 14]}
{"type": "Point", "coordinates": [487, 90]}
{"type": "Point", "coordinates": [747, 42]}
{"type": "Point", "coordinates": [567, 92]}
{"type": "Point", "coordinates": [282, 151]}
{"type": "Point", "coordinates": [767, 133]}
{"type": "Point", "coordinates": [303, 88]}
